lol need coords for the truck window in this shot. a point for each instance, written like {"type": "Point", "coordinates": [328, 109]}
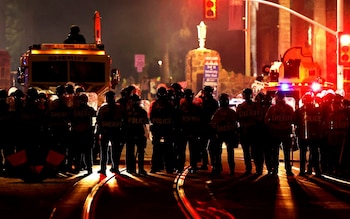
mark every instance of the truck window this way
{"type": "Point", "coordinates": [291, 68]}
{"type": "Point", "coordinates": [49, 72]}
{"type": "Point", "coordinates": [87, 72]}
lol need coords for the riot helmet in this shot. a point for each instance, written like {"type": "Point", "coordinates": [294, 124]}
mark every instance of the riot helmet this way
{"type": "Point", "coordinates": [337, 103]}
{"type": "Point", "coordinates": [188, 94]}
{"type": "Point", "coordinates": [79, 90]}
{"type": "Point", "coordinates": [279, 95]}
{"type": "Point", "coordinates": [176, 87]}
{"type": "Point", "coordinates": [338, 98]}
{"type": "Point", "coordinates": [32, 93]}
{"type": "Point", "coordinates": [83, 99]}
{"type": "Point", "coordinates": [259, 98]}
{"type": "Point", "coordinates": [247, 93]}
{"type": "Point", "coordinates": [224, 100]}
{"type": "Point", "coordinates": [3, 94]}
{"type": "Point", "coordinates": [18, 94]}
{"type": "Point", "coordinates": [208, 90]}
{"type": "Point", "coordinates": [307, 99]}
{"type": "Point", "coordinates": [130, 90]}
{"type": "Point", "coordinates": [161, 93]}
{"type": "Point", "coordinates": [110, 95]}
{"type": "Point", "coordinates": [124, 92]}
{"type": "Point", "coordinates": [74, 29]}
{"type": "Point", "coordinates": [69, 89]}
{"type": "Point", "coordinates": [171, 94]}
{"type": "Point", "coordinates": [328, 97]}
{"type": "Point", "coordinates": [60, 90]}
{"type": "Point", "coordinates": [135, 99]}
{"type": "Point", "coordinates": [42, 95]}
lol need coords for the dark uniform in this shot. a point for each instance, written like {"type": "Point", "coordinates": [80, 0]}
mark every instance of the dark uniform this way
{"type": "Point", "coordinates": [279, 119]}
{"type": "Point", "coordinates": [162, 127]}
{"type": "Point", "coordinates": [309, 130]}
{"type": "Point", "coordinates": [337, 125]}
{"type": "Point", "coordinates": [263, 102]}
{"type": "Point", "coordinates": [224, 123]}
{"type": "Point", "coordinates": [109, 120]}
{"type": "Point", "coordinates": [191, 124]}
{"type": "Point", "coordinates": [248, 114]}
{"type": "Point", "coordinates": [82, 134]}
{"type": "Point", "coordinates": [209, 106]}
{"type": "Point", "coordinates": [135, 133]}
{"type": "Point", "coordinates": [59, 118]}
{"type": "Point", "coordinates": [6, 128]}
{"type": "Point", "coordinates": [74, 36]}
{"type": "Point", "coordinates": [175, 95]}
{"type": "Point", "coordinates": [324, 148]}
{"type": "Point", "coordinates": [31, 128]}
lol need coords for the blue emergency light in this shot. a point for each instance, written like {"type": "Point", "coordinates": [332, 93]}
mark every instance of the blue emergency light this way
{"type": "Point", "coordinates": [285, 87]}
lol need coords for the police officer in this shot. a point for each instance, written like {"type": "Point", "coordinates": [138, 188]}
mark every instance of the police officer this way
{"type": "Point", "coordinates": [69, 95]}
{"type": "Point", "coordinates": [32, 120]}
{"type": "Point", "coordinates": [209, 106]}
{"type": "Point", "coordinates": [247, 117]}
{"type": "Point", "coordinates": [126, 102]}
{"type": "Point", "coordinates": [162, 127]}
{"type": "Point", "coordinates": [136, 131]}
{"type": "Point", "coordinates": [337, 124]}
{"type": "Point", "coordinates": [109, 119]}
{"type": "Point", "coordinates": [191, 124]}
{"type": "Point", "coordinates": [82, 133]}
{"type": "Point", "coordinates": [325, 106]}
{"type": "Point", "coordinates": [176, 93]}
{"type": "Point", "coordinates": [279, 119]}
{"type": "Point", "coordinates": [59, 118]}
{"type": "Point", "coordinates": [224, 124]}
{"type": "Point", "coordinates": [74, 36]}
{"type": "Point", "coordinates": [309, 131]}
{"type": "Point", "coordinates": [263, 148]}
{"type": "Point", "coordinates": [6, 128]}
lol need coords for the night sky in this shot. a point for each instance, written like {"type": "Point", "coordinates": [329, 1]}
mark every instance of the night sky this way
{"type": "Point", "coordinates": [136, 27]}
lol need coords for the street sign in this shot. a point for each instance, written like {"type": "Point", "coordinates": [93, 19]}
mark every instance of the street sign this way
{"type": "Point", "coordinates": [211, 73]}
{"type": "Point", "coordinates": [139, 62]}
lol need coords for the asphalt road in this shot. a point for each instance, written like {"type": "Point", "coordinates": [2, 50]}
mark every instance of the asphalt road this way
{"type": "Point", "coordinates": [162, 195]}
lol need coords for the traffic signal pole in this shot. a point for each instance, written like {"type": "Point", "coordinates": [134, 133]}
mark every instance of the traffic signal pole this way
{"type": "Point", "coordinates": [340, 28]}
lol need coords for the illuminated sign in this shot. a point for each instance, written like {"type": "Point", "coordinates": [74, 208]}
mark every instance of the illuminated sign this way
{"type": "Point", "coordinates": [67, 58]}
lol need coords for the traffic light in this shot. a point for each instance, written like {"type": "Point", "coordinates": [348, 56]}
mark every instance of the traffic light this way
{"type": "Point", "coordinates": [210, 9]}
{"type": "Point", "coordinates": [344, 49]}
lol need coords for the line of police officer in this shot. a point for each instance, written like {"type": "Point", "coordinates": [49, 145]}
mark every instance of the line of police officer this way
{"type": "Point", "coordinates": [319, 128]}
{"type": "Point", "coordinates": [177, 118]}
{"type": "Point", "coordinates": [52, 134]}
{"type": "Point", "coordinates": [322, 126]}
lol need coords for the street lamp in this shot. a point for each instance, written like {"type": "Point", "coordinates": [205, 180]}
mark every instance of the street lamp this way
{"type": "Point", "coordinates": [202, 33]}
{"type": "Point", "coordinates": [160, 63]}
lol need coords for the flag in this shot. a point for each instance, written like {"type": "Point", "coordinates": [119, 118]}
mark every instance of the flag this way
{"type": "Point", "coordinates": [235, 15]}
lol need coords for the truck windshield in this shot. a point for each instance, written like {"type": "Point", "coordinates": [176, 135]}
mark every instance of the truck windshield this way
{"type": "Point", "coordinates": [63, 71]}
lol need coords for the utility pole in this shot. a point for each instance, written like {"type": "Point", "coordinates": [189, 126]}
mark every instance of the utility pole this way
{"type": "Point", "coordinates": [340, 28]}
{"type": "Point", "coordinates": [247, 39]}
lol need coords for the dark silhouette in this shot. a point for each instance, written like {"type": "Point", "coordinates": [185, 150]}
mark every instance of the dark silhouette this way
{"type": "Point", "coordinates": [74, 36]}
